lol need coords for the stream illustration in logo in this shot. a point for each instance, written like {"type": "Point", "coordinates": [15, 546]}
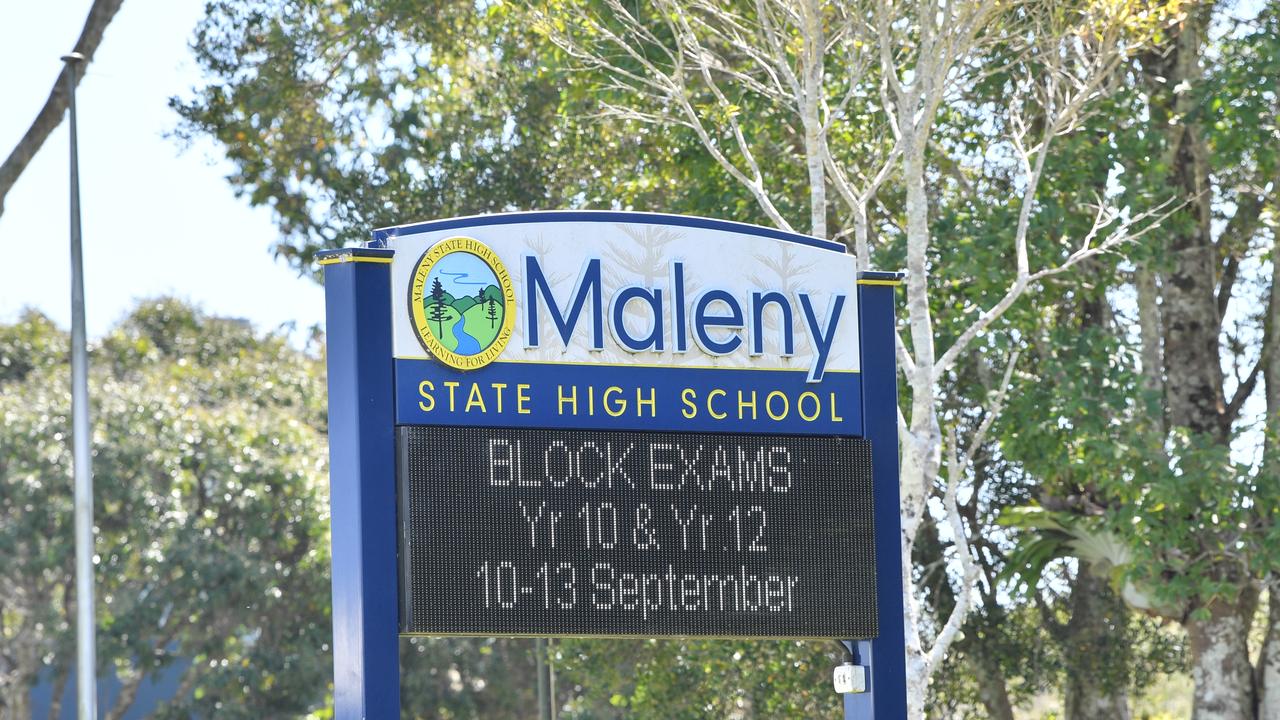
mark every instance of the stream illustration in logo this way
{"type": "Point", "coordinates": [462, 303]}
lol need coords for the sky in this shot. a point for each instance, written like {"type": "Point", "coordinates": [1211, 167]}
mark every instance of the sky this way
{"type": "Point", "coordinates": [157, 220]}
{"type": "Point", "coordinates": [463, 274]}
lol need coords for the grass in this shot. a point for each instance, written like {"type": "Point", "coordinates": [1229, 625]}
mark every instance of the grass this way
{"type": "Point", "coordinates": [478, 325]}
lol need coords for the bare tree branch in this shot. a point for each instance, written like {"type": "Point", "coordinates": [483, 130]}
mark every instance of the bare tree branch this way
{"type": "Point", "coordinates": [809, 62]}
{"type": "Point", "coordinates": [969, 569]}
{"type": "Point", "coordinates": [55, 107]}
{"type": "Point", "coordinates": [1144, 223]}
{"type": "Point", "coordinates": [1234, 242]}
{"type": "Point", "coordinates": [1245, 389]}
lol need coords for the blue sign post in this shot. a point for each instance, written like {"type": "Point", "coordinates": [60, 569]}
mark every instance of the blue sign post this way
{"type": "Point", "coordinates": [610, 424]}
{"type": "Point", "coordinates": [885, 656]}
{"type": "Point", "coordinates": [366, 641]}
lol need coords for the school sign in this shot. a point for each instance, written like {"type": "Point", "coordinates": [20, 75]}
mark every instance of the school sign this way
{"type": "Point", "coordinates": [610, 424]}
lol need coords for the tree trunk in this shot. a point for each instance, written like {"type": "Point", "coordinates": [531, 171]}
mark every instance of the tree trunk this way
{"type": "Point", "coordinates": [1220, 665]}
{"type": "Point", "coordinates": [1268, 673]}
{"type": "Point", "coordinates": [19, 665]}
{"type": "Point", "coordinates": [922, 445]}
{"type": "Point", "coordinates": [128, 694]}
{"type": "Point", "coordinates": [992, 689]}
{"type": "Point", "coordinates": [17, 703]}
{"type": "Point", "coordinates": [1149, 325]}
{"type": "Point", "coordinates": [20, 706]}
{"type": "Point", "coordinates": [59, 687]}
{"type": "Point", "coordinates": [1095, 688]}
{"type": "Point", "coordinates": [811, 116]}
{"type": "Point", "coordinates": [1190, 308]}
{"type": "Point", "coordinates": [983, 632]}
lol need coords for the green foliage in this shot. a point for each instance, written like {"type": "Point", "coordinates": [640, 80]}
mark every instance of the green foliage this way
{"type": "Point", "coordinates": [693, 679]}
{"type": "Point", "coordinates": [1198, 528]}
{"type": "Point", "coordinates": [457, 678]}
{"type": "Point", "coordinates": [1167, 514]}
{"type": "Point", "coordinates": [32, 342]}
{"type": "Point", "coordinates": [209, 464]}
{"type": "Point", "coordinates": [345, 117]}
{"type": "Point", "coordinates": [1198, 524]}
{"type": "Point", "coordinates": [1237, 103]}
{"type": "Point", "coordinates": [1014, 645]}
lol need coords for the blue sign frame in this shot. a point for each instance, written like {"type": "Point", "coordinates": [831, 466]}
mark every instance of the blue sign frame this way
{"type": "Point", "coordinates": [362, 420]}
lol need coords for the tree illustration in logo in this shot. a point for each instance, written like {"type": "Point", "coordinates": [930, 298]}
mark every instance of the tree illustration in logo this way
{"type": "Point", "coordinates": [436, 311]}
{"type": "Point", "coordinates": [492, 312]}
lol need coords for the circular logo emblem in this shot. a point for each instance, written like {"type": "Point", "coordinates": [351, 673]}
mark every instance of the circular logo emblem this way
{"type": "Point", "coordinates": [462, 303]}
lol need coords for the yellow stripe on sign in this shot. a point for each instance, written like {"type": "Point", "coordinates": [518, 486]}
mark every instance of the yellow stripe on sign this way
{"type": "Point", "coordinates": [335, 259]}
{"type": "Point", "coordinates": [512, 361]}
{"type": "Point", "coordinates": [893, 283]}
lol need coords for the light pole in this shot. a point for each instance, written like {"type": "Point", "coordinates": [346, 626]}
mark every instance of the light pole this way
{"type": "Point", "coordinates": [82, 451]}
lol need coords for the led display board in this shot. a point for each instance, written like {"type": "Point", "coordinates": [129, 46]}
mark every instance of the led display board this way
{"type": "Point", "coordinates": [557, 532]}
{"type": "Point", "coordinates": [616, 350]}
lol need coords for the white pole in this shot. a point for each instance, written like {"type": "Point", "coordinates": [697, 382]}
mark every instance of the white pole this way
{"type": "Point", "coordinates": [82, 451]}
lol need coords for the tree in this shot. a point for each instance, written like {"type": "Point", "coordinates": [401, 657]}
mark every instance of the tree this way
{"type": "Point", "coordinates": [479, 112]}
{"type": "Point", "coordinates": [477, 126]}
{"type": "Point", "coordinates": [1181, 512]}
{"type": "Point", "coordinates": [1196, 355]}
{"type": "Point", "coordinates": [55, 107]}
{"type": "Point", "coordinates": [492, 311]}
{"type": "Point", "coordinates": [1193, 378]}
{"type": "Point", "coordinates": [437, 312]}
{"type": "Point", "coordinates": [902, 130]}
{"type": "Point", "coordinates": [1077, 423]}
{"type": "Point", "coordinates": [827, 72]}
{"type": "Point", "coordinates": [211, 541]}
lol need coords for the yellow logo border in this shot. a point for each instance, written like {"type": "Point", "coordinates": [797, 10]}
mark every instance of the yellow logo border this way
{"type": "Point", "coordinates": [418, 312]}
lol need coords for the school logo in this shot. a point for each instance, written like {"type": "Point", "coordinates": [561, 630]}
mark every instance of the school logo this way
{"type": "Point", "coordinates": [462, 303]}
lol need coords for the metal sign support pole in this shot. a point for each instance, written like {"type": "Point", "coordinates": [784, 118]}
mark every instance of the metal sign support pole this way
{"type": "Point", "coordinates": [551, 675]}
{"type": "Point", "coordinates": [362, 496]}
{"type": "Point", "coordinates": [885, 656]}
{"type": "Point", "coordinates": [544, 678]}
{"type": "Point", "coordinates": [82, 439]}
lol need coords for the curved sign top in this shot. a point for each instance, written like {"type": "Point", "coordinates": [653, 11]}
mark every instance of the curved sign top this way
{"type": "Point", "coordinates": [620, 320]}
{"type": "Point", "coordinates": [613, 289]}
{"type": "Point", "coordinates": [623, 321]}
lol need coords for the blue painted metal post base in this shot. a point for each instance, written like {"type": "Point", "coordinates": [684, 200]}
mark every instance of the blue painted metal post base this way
{"type": "Point", "coordinates": [885, 656]}
{"type": "Point", "coordinates": [366, 643]}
